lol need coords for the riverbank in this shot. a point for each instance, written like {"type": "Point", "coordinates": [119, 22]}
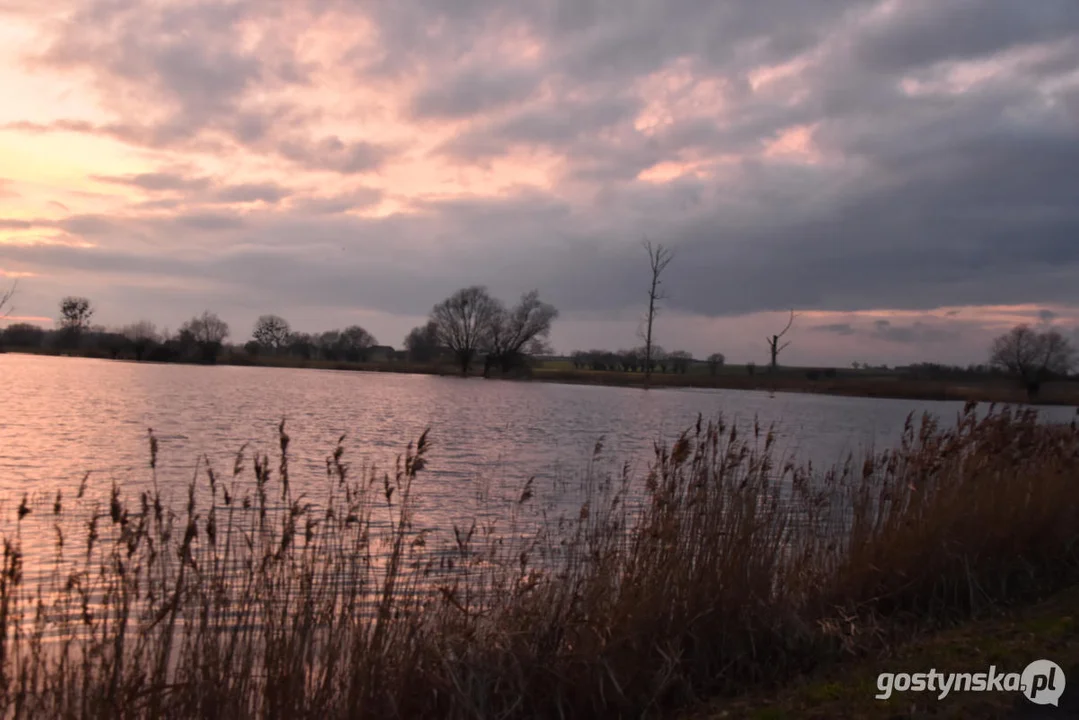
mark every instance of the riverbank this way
{"type": "Point", "coordinates": [992, 391]}
{"type": "Point", "coordinates": [722, 572]}
{"type": "Point", "coordinates": [1008, 640]}
{"type": "Point", "coordinates": [798, 380]}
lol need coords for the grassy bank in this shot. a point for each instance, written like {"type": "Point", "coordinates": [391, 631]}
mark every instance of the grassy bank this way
{"type": "Point", "coordinates": [717, 572]}
{"type": "Point", "coordinates": [845, 383]}
{"type": "Point", "coordinates": [1008, 640]}
{"type": "Point", "coordinates": [898, 387]}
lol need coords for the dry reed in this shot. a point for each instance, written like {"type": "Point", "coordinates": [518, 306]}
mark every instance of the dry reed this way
{"type": "Point", "coordinates": [717, 571]}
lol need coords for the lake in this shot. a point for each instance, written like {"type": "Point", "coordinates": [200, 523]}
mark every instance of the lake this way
{"type": "Point", "coordinates": [63, 417]}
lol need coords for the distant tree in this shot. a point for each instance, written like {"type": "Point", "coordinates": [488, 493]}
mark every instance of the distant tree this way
{"type": "Point", "coordinates": [271, 332]}
{"type": "Point", "coordinates": [252, 348]}
{"type": "Point", "coordinates": [775, 348]}
{"type": "Point", "coordinates": [75, 314]}
{"type": "Point", "coordinates": [715, 362]}
{"type": "Point", "coordinates": [464, 322]}
{"type": "Point", "coordinates": [6, 297]}
{"type": "Point", "coordinates": [630, 359]}
{"type": "Point", "coordinates": [751, 368]}
{"type": "Point", "coordinates": [355, 343]}
{"type": "Point", "coordinates": [208, 332]}
{"type": "Point", "coordinates": [328, 345]}
{"type": "Point", "coordinates": [301, 345]}
{"type": "Point", "coordinates": [855, 365]}
{"type": "Point", "coordinates": [421, 343]}
{"type": "Point", "coordinates": [679, 361]}
{"type": "Point", "coordinates": [659, 258]}
{"type": "Point", "coordinates": [142, 336]}
{"type": "Point", "coordinates": [513, 331]}
{"type": "Point", "coordinates": [658, 358]}
{"type": "Point", "coordinates": [1031, 356]}
{"type": "Point", "coordinates": [579, 358]}
{"type": "Point", "coordinates": [23, 335]}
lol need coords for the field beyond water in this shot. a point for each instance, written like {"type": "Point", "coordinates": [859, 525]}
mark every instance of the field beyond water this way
{"type": "Point", "coordinates": [719, 573]}
{"type": "Point", "coordinates": [850, 383]}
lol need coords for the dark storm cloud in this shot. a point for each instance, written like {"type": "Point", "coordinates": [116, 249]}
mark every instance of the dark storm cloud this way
{"type": "Point", "coordinates": [473, 92]}
{"type": "Point", "coordinates": [925, 32]}
{"type": "Point", "coordinates": [927, 183]}
{"type": "Point", "coordinates": [916, 333]}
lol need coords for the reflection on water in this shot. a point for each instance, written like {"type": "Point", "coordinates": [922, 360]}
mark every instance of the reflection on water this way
{"type": "Point", "coordinates": [298, 549]}
{"type": "Point", "coordinates": [66, 416]}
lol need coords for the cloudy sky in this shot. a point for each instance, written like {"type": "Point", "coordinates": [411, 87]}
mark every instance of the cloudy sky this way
{"type": "Point", "coordinates": [904, 174]}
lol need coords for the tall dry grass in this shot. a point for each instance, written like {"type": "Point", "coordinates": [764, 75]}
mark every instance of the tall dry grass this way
{"type": "Point", "coordinates": [716, 571]}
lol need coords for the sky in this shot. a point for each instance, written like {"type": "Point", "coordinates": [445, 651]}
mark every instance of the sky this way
{"type": "Point", "coordinates": [903, 174]}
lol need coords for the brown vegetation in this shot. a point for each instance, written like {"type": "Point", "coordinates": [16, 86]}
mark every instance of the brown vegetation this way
{"type": "Point", "coordinates": [719, 570]}
{"type": "Point", "coordinates": [1061, 392]}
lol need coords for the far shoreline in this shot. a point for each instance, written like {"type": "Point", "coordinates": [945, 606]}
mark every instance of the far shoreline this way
{"type": "Point", "coordinates": [785, 380]}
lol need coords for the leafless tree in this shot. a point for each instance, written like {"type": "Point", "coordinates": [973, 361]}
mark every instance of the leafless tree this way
{"type": "Point", "coordinates": [679, 361]}
{"type": "Point", "coordinates": [659, 258]}
{"type": "Point", "coordinates": [271, 331]}
{"type": "Point", "coordinates": [421, 343]}
{"type": "Point", "coordinates": [1032, 356]}
{"type": "Point", "coordinates": [514, 331]}
{"type": "Point", "coordinates": [5, 300]}
{"type": "Point", "coordinates": [355, 342]}
{"type": "Point", "coordinates": [142, 335]}
{"type": "Point", "coordinates": [715, 362]}
{"type": "Point", "coordinates": [207, 328]}
{"type": "Point", "coordinates": [75, 314]}
{"type": "Point", "coordinates": [209, 332]}
{"type": "Point", "coordinates": [774, 346]}
{"type": "Point", "coordinates": [464, 323]}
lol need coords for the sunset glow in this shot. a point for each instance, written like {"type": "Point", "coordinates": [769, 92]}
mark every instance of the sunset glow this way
{"type": "Point", "coordinates": [149, 151]}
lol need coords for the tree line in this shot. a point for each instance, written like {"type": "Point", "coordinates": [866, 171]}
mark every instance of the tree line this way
{"type": "Point", "coordinates": [471, 325]}
{"type": "Point", "coordinates": [465, 327]}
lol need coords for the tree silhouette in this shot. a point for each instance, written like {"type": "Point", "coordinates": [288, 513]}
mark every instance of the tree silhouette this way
{"type": "Point", "coordinates": [773, 343]}
{"type": "Point", "coordinates": [463, 321]}
{"type": "Point", "coordinates": [659, 258]}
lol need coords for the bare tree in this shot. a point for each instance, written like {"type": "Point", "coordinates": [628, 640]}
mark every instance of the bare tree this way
{"type": "Point", "coordinates": [773, 343]}
{"type": "Point", "coordinates": [680, 360]}
{"type": "Point", "coordinates": [271, 331]}
{"type": "Point", "coordinates": [142, 335]}
{"type": "Point", "coordinates": [715, 362]}
{"type": "Point", "coordinates": [329, 345]}
{"type": "Point", "coordinates": [75, 314]}
{"type": "Point", "coordinates": [1032, 356]}
{"type": "Point", "coordinates": [5, 300]}
{"type": "Point", "coordinates": [464, 323]}
{"type": "Point", "coordinates": [209, 331]}
{"type": "Point", "coordinates": [659, 258]}
{"type": "Point", "coordinates": [355, 342]}
{"type": "Point", "coordinates": [515, 332]}
{"type": "Point", "coordinates": [421, 343]}
{"type": "Point", "coordinates": [207, 328]}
